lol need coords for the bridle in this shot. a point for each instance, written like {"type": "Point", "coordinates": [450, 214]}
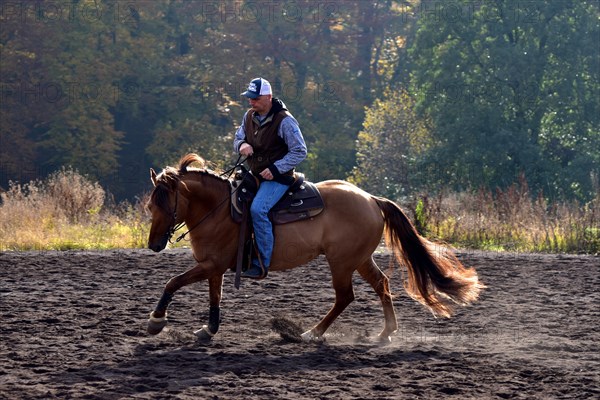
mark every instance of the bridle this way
{"type": "Point", "coordinates": [174, 227]}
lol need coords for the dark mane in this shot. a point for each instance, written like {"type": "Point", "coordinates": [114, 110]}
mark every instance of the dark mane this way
{"type": "Point", "coordinates": [169, 178]}
{"type": "Point", "coordinates": [189, 159]}
{"type": "Point", "coordinates": [160, 198]}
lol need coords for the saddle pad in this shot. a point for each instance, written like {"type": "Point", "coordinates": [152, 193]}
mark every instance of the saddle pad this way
{"type": "Point", "coordinates": [304, 203]}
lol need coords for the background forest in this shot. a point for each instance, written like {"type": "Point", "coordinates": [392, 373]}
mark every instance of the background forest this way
{"type": "Point", "coordinates": [482, 118]}
{"type": "Point", "coordinates": [398, 96]}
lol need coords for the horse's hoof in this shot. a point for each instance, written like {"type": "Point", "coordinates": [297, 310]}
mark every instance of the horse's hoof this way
{"type": "Point", "coordinates": [385, 339]}
{"type": "Point", "coordinates": [156, 325]}
{"type": "Point", "coordinates": [309, 336]}
{"type": "Point", "coordinates": [204, 334]}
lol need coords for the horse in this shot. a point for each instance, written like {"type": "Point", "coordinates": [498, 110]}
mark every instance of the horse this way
{"type": "Point", "coordinates": [347, 232]}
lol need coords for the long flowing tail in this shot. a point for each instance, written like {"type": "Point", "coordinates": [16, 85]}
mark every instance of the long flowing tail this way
{"type": "Point", "coordinates": [436, 278]}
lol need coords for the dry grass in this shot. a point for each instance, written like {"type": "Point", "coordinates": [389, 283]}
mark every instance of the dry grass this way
{"type": "Point", "coordinates": [511, 220]}
{"type": "Point", "coordinates": [65, 212]}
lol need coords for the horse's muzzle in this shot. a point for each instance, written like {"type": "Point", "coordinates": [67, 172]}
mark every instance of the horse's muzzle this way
{"type": "Point", "coordinates": [159, 245]}
{"type": "Point", "coordinates": [156, 247]}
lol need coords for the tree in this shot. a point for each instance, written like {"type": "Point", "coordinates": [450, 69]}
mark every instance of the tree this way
{"type": "Point", "coordinates": [494, 77]}
{"type": "Point", "coordinates": [390, 145]}
{"type": "Point", "coordinates": [112, 88]}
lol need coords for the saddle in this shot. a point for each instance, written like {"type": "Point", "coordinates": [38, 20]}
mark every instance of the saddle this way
{"type": "Point", "coordinates": [301, 201]}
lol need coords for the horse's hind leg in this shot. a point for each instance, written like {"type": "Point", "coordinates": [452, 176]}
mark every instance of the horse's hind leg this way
{"type": "Point", "coordinates": [344, 295]}
{"type": "Point", "coordinates": [381, 284]}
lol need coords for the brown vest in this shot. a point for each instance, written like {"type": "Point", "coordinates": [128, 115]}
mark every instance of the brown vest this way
{"type": "Point", "coordinates": [267, 145]}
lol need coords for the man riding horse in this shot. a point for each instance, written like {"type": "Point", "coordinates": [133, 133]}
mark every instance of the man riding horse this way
{"type": "Point", "coordinates": [271, 139]}
{"type": "Point", "coordinates": [347, 230]}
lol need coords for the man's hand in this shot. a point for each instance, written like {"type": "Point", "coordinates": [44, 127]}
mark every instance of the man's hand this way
{"type": "Point", "coordinates": [267, 174]}
{"type": "Point", "coordinates": [246, 150]}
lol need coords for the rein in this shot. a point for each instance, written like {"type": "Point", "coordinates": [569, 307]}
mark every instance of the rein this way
{"type": "Point", "coordinates": [237, 164]}
{"type": "Point", "coordinates": [175, 227]}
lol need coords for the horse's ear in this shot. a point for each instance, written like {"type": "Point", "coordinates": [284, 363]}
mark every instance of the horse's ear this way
{"type": "Point", "coordinates": [153, 176]}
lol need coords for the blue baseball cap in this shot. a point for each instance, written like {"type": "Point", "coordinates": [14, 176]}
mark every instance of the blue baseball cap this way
{"type": "Point", "coordinates": [257, 87]}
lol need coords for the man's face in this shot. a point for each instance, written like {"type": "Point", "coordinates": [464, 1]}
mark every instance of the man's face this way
{"type": "Point", "coordinates": [262, 104]}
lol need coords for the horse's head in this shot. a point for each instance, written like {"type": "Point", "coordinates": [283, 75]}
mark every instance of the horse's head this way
{"type": "Point", "coordinates": [183, 194]}
{"type": "Point", "coordinates": [166, 206]}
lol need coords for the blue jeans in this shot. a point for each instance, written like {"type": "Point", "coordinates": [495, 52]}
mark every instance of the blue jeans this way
{"type": "Point", "coordinates": [269, 193]}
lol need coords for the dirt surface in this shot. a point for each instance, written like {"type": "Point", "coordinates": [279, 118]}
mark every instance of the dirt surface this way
{"type": "Point", "coordinates": [74, 326]}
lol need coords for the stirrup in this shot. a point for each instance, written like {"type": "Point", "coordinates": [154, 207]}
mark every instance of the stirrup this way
{"type": "Point", "coordinates": [255, 272]}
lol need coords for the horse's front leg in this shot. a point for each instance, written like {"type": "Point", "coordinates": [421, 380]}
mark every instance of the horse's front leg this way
{"type": "Point", "coordinates": [158, 317]}
{"type": "Point", "coordinates": [215, 287]}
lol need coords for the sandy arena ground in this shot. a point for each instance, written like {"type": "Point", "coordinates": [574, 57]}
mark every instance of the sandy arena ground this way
{"type": "Point", "coordinates": [74, 327]}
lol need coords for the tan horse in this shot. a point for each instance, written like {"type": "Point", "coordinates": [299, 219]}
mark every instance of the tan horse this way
{"type": "Point", "coordinates": [347, 232]}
